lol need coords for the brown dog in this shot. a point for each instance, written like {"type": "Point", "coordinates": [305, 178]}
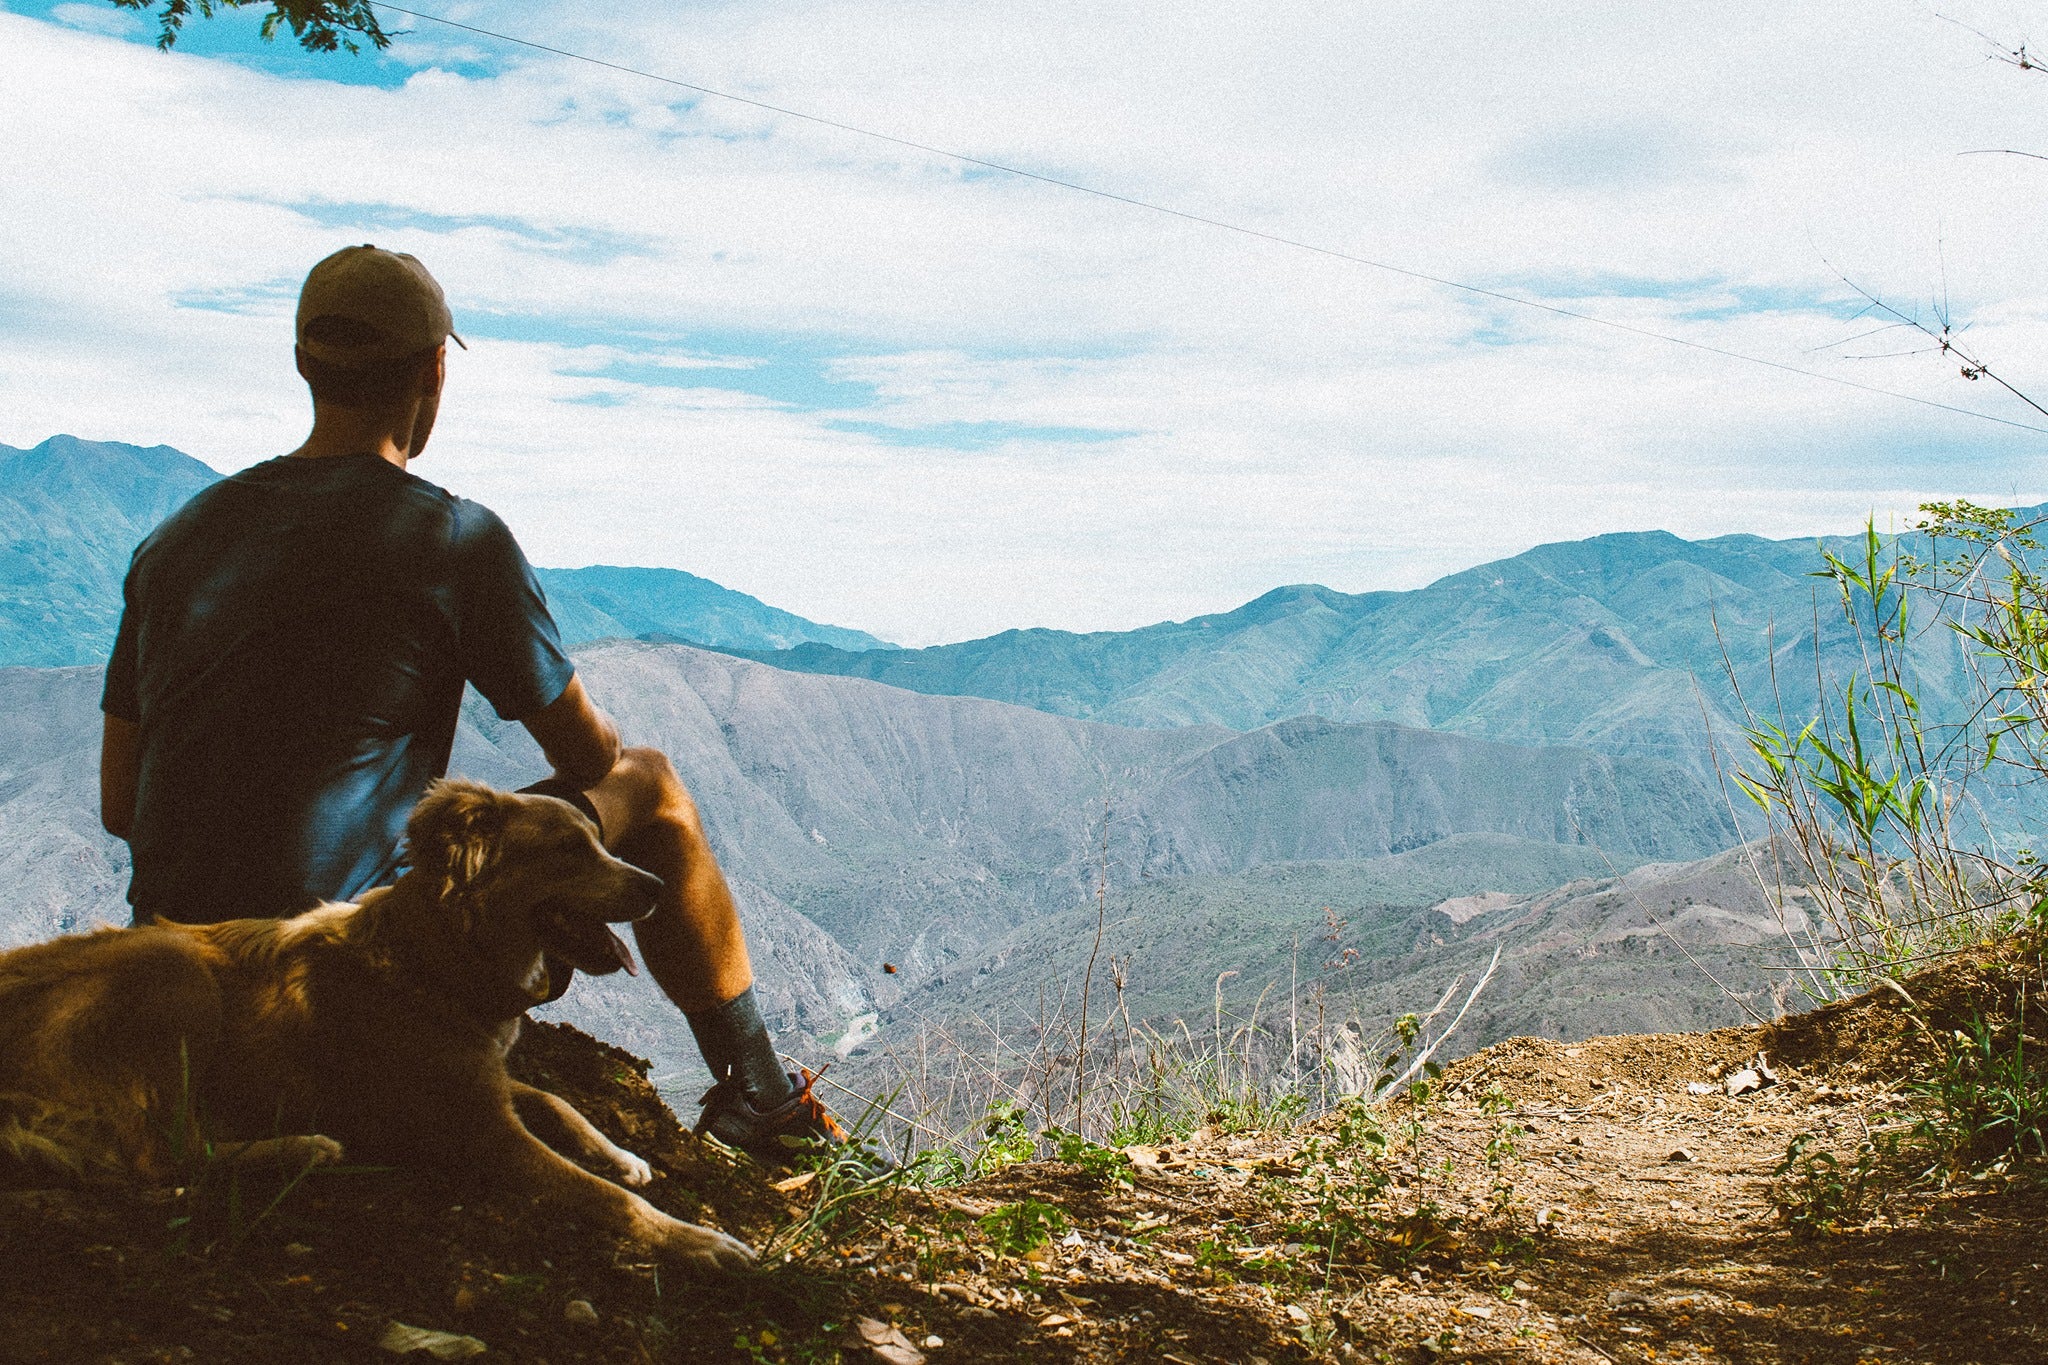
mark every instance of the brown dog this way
{"type": "Point", "coordinates": [380, 1029]}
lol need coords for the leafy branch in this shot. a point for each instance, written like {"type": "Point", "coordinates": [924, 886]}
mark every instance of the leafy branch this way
{"type": "Point", "coordinates": [318, 25]}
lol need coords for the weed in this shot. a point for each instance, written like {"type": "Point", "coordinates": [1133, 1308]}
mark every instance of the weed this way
{"type": "Point", "coordinates": [1884, 798]}
{"type": "Point", "coordinates": [1006, 1139]}
{"type": "Point", "coordinates": [1103, 1166]}
{"type": "Point", "coordinates": [1501, 1154]}
{"type": "Point", "coordinates": [1816, 1192]}
{"type": "Point", "coordinates": [1987, 1105]}
{"type": "Point", "coordinates": [1021, 1228]}
{"type": "Point", "coordinates": [1216, 1258]}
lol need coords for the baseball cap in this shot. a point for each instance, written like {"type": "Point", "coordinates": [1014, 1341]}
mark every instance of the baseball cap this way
{"type": "Point", "coordinates": [395, 307]}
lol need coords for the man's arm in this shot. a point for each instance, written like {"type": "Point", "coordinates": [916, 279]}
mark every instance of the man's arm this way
{"type": "Point", "coordinates": [120, 770]}
{"type": "Point", "coordinates": [577, 738]}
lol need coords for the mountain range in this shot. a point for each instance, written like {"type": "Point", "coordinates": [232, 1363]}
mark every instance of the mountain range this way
{"type": "Point", "coordinates": [1638, 643]}
{"type": "Point", "coordinates": [72, 511]}
{"type": "Point", "coordinates": [1515, 756]}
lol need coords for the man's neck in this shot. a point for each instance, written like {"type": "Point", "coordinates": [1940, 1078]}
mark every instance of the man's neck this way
{"type": "Point", "coordinates": [358, 431]}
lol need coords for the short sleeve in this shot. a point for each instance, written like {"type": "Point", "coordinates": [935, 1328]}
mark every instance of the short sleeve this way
{"type": "Point", "coordinates": [508, 643]}
{"type": "Point", "coordinates": [120, 698]}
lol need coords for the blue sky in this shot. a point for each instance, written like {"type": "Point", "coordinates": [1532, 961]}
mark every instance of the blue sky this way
{"type": "Point", "coordinates": [886, 390]}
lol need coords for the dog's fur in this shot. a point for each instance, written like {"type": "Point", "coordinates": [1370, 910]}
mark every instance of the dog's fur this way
{"type": "Point", "coordinates": [378, 1029]}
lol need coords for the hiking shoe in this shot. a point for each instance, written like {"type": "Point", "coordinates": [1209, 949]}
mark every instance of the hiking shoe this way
{"type": "Point", "coordinates": [777, 1137]}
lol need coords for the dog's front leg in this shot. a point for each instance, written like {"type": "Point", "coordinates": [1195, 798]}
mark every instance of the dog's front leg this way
{"type": "Point", "coordinates": [557, 1122]}
{"type": "Point", "coordinates": [297, 1153]}
{"type": "Point", "coordinates": [519, 1163]}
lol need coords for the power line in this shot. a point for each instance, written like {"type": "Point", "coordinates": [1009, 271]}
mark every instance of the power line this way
{"type": "Point", "coordinates": [1477, 291]}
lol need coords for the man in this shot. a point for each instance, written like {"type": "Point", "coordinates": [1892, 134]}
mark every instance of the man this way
{"type": "Point", "coordinates": [290, 664]}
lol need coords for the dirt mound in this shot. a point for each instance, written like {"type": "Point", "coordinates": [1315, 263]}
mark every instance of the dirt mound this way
{"type": "Point", "coordinates": [1870, 1039]}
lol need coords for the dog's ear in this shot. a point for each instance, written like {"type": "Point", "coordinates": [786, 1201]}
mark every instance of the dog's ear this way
{"type": "Point", "coordinates": [452, 836]}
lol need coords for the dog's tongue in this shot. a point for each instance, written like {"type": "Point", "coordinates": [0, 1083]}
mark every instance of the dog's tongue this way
{"type": "Point", "coordinates": [623, 953]}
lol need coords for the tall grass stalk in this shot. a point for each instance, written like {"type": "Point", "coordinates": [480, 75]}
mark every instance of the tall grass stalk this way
{"type": "Point", "coordinates": [1263, 1062]}
{"type": "Point", "coordinates": [1896, 799]}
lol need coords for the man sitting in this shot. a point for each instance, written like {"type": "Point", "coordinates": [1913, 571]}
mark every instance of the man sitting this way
{"type": "Point", "coordinates": [290, 665]}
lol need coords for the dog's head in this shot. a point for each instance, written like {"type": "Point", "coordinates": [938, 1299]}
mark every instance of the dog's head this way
{"type": "Point", "coordinates": [518, 875]}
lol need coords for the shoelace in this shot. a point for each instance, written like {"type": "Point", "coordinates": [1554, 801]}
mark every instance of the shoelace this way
{"type": "Point", "coordinates": [813, 1108]}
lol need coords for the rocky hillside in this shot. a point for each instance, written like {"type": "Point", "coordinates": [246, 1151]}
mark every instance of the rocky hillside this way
{"type": "Point", "coordinates": [1585, 948]}
{"type": "Point", "coordinates": [867, 825]}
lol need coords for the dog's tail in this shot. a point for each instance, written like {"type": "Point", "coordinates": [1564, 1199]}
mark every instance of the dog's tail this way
{"type": "Point", "coordinates": [43, 1143]}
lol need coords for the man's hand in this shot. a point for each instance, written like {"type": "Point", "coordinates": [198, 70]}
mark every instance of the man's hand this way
{"type": "Point", "coordinates": [577, 738]}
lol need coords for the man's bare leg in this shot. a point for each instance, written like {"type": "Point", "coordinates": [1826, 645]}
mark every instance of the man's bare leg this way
{"type": "Point", "coordinates": [697, 954]}
{"type": "Point", "coordinates": [692, 943]}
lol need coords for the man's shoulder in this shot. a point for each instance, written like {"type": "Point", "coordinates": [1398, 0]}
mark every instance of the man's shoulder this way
{"type": "Point", "coordinates": [288, 490]}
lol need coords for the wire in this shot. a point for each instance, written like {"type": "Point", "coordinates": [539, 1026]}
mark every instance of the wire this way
{"type": "Point", "coordinates": [1478, 291]}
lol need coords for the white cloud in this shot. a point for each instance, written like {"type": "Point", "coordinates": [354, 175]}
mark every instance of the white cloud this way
{"type": "Point", "coordinates": [98, 19]}
{"type": "Point", "coordinates": [634, 265]}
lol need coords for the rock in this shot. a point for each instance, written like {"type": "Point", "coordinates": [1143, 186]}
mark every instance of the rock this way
{"type": "Point", "coordinates": [401, 1340]}
{"type": "Point", "coordinates": [1681, 1154]}
{"type": "Point", "coordinates": [1627, 1301]}
{"type": "Point", "coordinates": [581, 1312]}
{"type": "Point", "coordinates": [888, 1343]}
{"type": "Point", "coordinates": [1756, 1076]}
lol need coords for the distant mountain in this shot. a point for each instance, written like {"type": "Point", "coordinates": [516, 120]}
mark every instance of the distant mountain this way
{"type": "Point", "coordinates": [72, 512]}
{"type": "Point", "coordinates": [1615, 643]}
{"type": "Point", "coordinates": [864, 823]}
{"type": "Point", "coordinates": [670, 606]}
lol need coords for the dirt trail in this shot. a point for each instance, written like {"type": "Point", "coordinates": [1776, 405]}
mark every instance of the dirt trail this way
{"type": "Point", "coordinates": [1643, 1232]}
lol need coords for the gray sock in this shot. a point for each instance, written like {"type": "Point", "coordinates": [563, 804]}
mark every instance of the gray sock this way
{"type": "Point", "coordinates": [734, 1040]}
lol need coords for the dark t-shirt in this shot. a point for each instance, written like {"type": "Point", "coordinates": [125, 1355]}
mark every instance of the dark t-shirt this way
{"type": "Point", "coordinates": [293, 648]}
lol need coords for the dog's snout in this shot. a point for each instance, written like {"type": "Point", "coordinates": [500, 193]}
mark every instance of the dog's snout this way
{"type": "Point", "coordinates": [642, 888]}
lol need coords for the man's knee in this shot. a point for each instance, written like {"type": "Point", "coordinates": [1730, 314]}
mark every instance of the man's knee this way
{"type": "Point", "coordinates": [656, 784]}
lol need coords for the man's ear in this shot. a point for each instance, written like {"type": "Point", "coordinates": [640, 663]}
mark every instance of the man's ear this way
{"type": "Point", "coordinates": [434, 372]}
{"type": "Point", "coordinates": [453, 834]}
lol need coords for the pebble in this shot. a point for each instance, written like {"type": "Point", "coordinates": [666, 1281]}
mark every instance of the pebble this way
{"type": "Point", "coordinates": [1682, 1154]}
{"type": "Point", "coordinates": [581, 1312]}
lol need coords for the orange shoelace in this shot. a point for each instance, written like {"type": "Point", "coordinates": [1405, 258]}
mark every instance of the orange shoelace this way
{"type": "Point", "coordinates": [813, 1108]}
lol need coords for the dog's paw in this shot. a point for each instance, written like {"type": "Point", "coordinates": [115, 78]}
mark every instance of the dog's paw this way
{"type": "Point", "coordinates": [320, 1150]}
{"type": "Point", "coordinates": [633, 1171]}
{"type": "Point", "coordinates": [706, 1249]}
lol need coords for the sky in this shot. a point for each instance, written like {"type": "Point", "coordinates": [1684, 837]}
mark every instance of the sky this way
{"type": "Point", "coordinates": [888, 389]}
